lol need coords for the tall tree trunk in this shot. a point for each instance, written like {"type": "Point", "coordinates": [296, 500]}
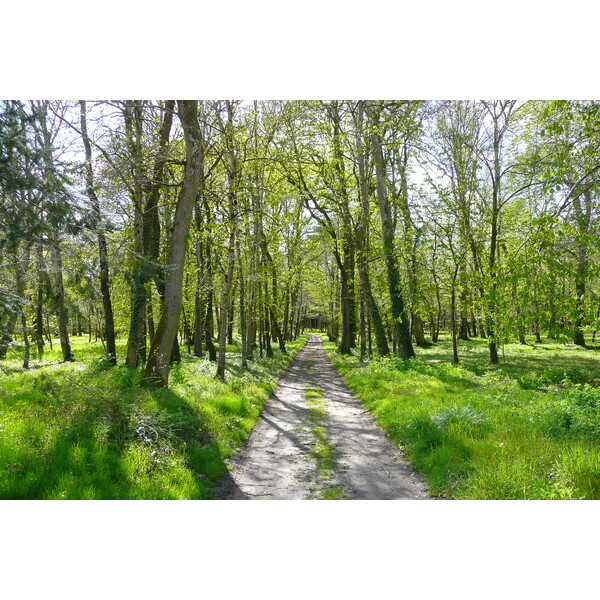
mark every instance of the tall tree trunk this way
{"type": "Point", "coordinates": [225, 299]}
{"type": "Point", "coordinates": [209, 326]}
{"type": "Point", "coordinates": [199, 308]}
{"type": "Point", "coordinates": [243, 327]}
{"type": "Point", "coordinates": [147, 224]}
{"type": "Point", "coordinates": [401, 325]}
{"type": "Point", "coordinates": [209, 288]}
{"type": "Point", "coordinates": [418, 330]}
{"type": "Point", "coordinates": [228, 285]}
{"type": "Point", "coordinates": [362, 239]}
{"type": "Point", "coordinates": [347, 274]}
{"type": "Point", "coordinates": [363, 330]}
{"type": "Point", "coordinates": [109, 324]}
{"type": "Point", "coordinates": [158, 365]}
{"type": "Point", "coordinates": [372, 309]}
{"type": "Point", "coordinates": [267, 324]}
{"type": "Point", "coordinates": [491, 308]}
{"type": "Point", "coordinates": [286, 316]}
{"type": "Point", "coordinates": [136, 342]}
{"type": "Point", "coordinates": [56, 277]}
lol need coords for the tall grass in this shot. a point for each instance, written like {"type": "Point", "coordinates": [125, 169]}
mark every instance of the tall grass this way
{"type": "Point", "coordinates": [527, 428]}
{"type": "Point", "coordinates": [85, 431]}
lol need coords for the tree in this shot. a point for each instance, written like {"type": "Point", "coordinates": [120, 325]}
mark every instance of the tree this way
{"type": "Point", "coordinates": [56, 210]}
{"type": "Point", "coordinates": [401, 325]}
{"type": "Point", "coordinates": [232, 183]}
{"type": "Point", "coordinates": [158, 365]}
{"type": "Point", "coordinates": [109, 325]}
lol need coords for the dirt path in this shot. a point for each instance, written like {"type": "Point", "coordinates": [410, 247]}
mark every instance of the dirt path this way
{"type": "Point", "coordinates": [314, 439]}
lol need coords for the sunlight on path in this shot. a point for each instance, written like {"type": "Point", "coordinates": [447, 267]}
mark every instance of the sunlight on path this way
{"type": "Point", "coordinates": [343, 454]}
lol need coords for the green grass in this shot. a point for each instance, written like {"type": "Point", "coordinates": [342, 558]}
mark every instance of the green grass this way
{"type": "Point", "coordinates": [84, 431]}
{"type": "Point", "coordinates": [528, 428]}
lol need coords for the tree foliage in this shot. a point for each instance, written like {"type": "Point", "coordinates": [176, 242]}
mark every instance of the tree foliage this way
{"type": "Point", "coordinates": [379, 222]}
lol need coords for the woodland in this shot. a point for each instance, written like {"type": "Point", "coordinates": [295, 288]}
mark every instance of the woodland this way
{"type": "Point", "coordinates": [148, 247]}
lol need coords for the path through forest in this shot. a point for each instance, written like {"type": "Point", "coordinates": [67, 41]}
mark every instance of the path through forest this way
{"type": "Point", "coordinates": [314, 439]}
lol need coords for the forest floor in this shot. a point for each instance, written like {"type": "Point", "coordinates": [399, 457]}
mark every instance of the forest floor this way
{"type": "Point", "coordinates": [527, 428]}
{"type": "Point", "coordinates": [314, 439]}
{"type": "Point", "coordinates": [84, 430]}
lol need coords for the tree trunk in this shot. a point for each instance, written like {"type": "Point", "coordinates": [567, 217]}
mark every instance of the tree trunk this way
{"type": "Point", "coordinates": [150, 327]}
{"type": "Point", "coordinates": [363, 330]}
{"type": "Point", "coordinates": [199, 308]}
{"type": "Point", "coordinates": [209, 327]}
{"type": "Point", "coordinates": [455, 359]}
{"type": "Point", "coordinates": [136, 342]}
{"type": "Point", "coordinates": [401, 325]}
{"type": "Point", "coordinates": [362, 243]}
{"type": "Point", "coordinates": [243, 327]}
{"type": "Point", "coordinates": [7, 334]}
{"type": "Point", "coordinates": [147, 224]}
{"type": "Point", "coordinates": [62, 316]}
{"type": "Point", "coordinates": [187, 332]}
{"type": "Point", "coordinates": [158, 365]}
{"type": "Point", "coordinates": [347, 274]}
{"type": "Point", "coordinates": [22, 266]}
{"type": "Point", "coordinates": [267, 322]}
{"type": "Point", "coordinates": [463, 333]}
{"type": "Point", "coordinates": [208, 285]}
{"type": "Point", "coordinates": [109, 325]}
{"type": "Point", "coordinates": [58, 290]}
{"type": "Point", "coordinates": [418, 331]}
{"type": "Point", "coordinates": [39, 314]}
{"type": "Point", "coordinates": [228, 285]}
{"type": "Point", "coordinates": [230, 319]}
{"type": "Point", "coordinates": [583, 218]}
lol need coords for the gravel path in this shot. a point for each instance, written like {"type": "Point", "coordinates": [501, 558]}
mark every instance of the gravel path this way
{"type": "Point", "coordinates": [281, 459]}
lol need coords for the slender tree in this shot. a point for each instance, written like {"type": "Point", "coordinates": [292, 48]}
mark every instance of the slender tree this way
{"type": "Point", "coordinates": [158, 365]}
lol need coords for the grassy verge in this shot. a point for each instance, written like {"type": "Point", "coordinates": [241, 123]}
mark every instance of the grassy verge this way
{"type": "Point", "coordinates": [528, 428]}
{"type": "Point", "coordinates": [84, 431]}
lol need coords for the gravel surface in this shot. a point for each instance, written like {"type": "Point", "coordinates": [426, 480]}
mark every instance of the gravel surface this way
{"type": "Point", "coordinates": [278, 460]}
